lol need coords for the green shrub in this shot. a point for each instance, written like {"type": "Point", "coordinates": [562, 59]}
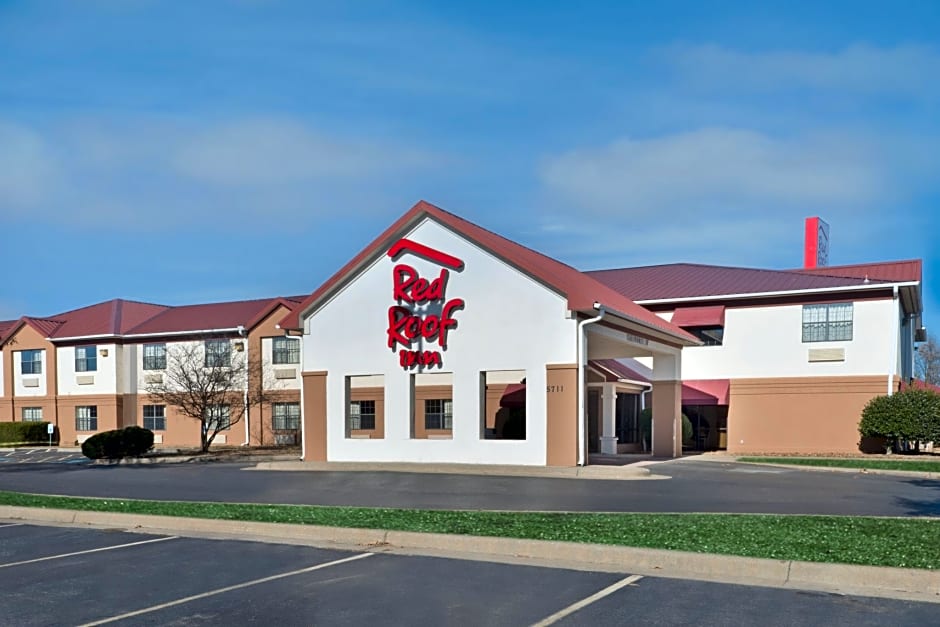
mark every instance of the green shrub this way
{"type": "Point", "coordinates": [646, 427]}
{"type": "Point", "coordinates": [26, 433]}
{"type": "Point", "coordinates": [911, 415]}
{"type": "Point", "coordinates": [131, 441]}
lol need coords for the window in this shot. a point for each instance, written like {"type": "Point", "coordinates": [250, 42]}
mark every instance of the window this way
{"type": "Point", "coordinates": [31, 362]}
{"type": "Point", "coordinates": [503, 404]}
{"type": "Point", "coordinates": [32, 414]}
{"type": "Point", "coordinates": [827, 323]}
{"type": "Point", "coordinates": [218, 353]}
{"type": "Point", "coordinates": [285, 350]}
{"type": "Point", "coordinates": [154, 356]}
{"type": "Point", "coordinates": [86, 358]}
{"type": "Point", "coordinates": [155, 417]}
{"type": "Point", "coordinates": [711, 336]}
{"type": "Point", "coordinates": [362, 415]}
{"type": "Point", "coordinates": [438, 413]}
{"type": "Point", "coordinates": [218, 418]}
{"type": "Point", "coordinates": [285, 416]}
{"type": "Point", "coordinates": [86, 418]}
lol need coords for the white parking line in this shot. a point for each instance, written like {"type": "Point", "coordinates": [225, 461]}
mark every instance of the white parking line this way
{"type": "Point", "coordinates": [11, 525]}
{"type": "Point", "coordinates": [105, 548]}
{"type": "Point", "coordinates": [574, 607]}
{"type": "Point", "coordinates": [196, 597]}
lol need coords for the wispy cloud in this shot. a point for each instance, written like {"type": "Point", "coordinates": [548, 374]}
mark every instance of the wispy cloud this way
{"type": "Point", "coordinates": [901, 70]}
{"type": "Point", "coordinates": [167, 173]}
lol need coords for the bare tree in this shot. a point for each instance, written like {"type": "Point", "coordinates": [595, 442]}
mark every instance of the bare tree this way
{"type": "Point", "coordinates": [208, 382]}
{"type": "Point", "coordinates": [927, 361]}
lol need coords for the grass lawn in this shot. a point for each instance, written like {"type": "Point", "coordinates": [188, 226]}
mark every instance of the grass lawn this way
{"type": "Point", "coordinates": [910, 464]}
{"type": "Point", "coordinates": [908, 543]}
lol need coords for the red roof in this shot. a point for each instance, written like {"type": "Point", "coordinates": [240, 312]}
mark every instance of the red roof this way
{"type": "Point", "coordinates": [582, 291]}
{"type": "Point", "coordinates": [615, 370]}
{"type": "Point", "coordinates": [210, 316]}
{"type": "Point", "coordinates": [905, 270]}
{"type": "Point", "coordinates": [710, 316]}
{"type": "Point", "coordinates": [694, 391]}
{"type": "Point", "coordinates": [112, 317]}
{"type": "Point", "coordinates": [690, 280]}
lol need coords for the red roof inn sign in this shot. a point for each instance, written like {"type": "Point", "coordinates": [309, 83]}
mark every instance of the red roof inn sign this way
{"type": "Point", "coordinates": [423, 314]}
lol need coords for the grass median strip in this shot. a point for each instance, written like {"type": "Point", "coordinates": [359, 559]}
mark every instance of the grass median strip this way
{"type": "Point", "coordinates": [905, 543]}
{"type": "Point", "coordinates": [911, 465]}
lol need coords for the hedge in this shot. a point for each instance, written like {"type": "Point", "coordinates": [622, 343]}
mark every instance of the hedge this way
{"type": "Point", "coordinates": [911, 415]}
{"type": "Point", "coordinates": [26, 433]}
{"type": "Point", "coordinates": [130, 441]}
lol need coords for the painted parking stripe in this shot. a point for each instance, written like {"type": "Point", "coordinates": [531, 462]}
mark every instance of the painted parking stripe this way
{"type": "Point", "coordinates": [98, 550]}
{"type": "Point", "coordinates": [247, 584]}
{"type": "Point", "coordinates": [574, 607]}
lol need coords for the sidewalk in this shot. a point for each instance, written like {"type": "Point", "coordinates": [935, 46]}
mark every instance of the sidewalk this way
{"type": "Point", "coordinates": [613, 473]}
{"type": "Point", "coordinates": [873, 581]}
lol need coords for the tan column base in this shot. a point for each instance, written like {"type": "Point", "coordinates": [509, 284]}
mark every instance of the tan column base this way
{"type": "Point", "coordinates": [667, 418]}
{"type": "Point", "coordinates": [314, 416]}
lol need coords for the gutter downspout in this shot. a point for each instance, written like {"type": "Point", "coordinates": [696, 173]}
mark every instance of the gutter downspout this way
{"type": "Point", "coordinates": [303, 432]}
{"type": "Point", "coordinates": [243, 333]}
{"type": "Point", "coordinates": [582, 360]}
{"type": "Point", "coordinates": [895, 341]}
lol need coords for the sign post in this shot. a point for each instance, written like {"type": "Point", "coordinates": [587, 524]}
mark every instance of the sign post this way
{"type": "Point", "coordinates": [50, 429]}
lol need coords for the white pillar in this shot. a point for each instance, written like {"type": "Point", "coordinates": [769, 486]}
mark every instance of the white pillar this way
{"type": "Point", "coordinates": [609, 420]}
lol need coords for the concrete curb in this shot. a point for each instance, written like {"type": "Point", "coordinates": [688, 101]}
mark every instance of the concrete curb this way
{"type": "Point", "coordinates": [196, 459]}
{"type": "Point", "coordinates": [916, 474]}
{"type": "Point", "coordinates": [582, 472]}
{"type": "Point", "coordinates": [875, 581]}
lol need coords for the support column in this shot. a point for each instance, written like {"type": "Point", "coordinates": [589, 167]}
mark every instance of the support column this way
{"type": "Point", "coordinates": [314, 416]}
{"type": "Point", "coordinates": [561, 415]}
{"type": "Point", "coordinates": [609, 419]}
{"type": "Point", "coordinates": [667, 405]}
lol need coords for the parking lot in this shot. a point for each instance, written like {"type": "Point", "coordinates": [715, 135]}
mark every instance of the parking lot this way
{"type": "Point", "coordinates": [41, 456]}
{"type": "Point", "coordinates": [80, 576]}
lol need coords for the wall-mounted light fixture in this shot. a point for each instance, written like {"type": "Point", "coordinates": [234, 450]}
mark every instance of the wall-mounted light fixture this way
{"type": "Point", "coordinates": [103, 352]}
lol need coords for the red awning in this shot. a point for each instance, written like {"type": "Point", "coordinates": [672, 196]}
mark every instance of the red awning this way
{"type": "Point", "coordinates": [705, 392]}
{"type": "Point", "coordinates": [712, 316]}
{"type": "Point", "coordinates": [513, 396]}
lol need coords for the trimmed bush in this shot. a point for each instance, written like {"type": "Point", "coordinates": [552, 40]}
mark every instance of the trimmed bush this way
{"type": "Point", "coordinates": [911, 415]}
{"type": "Point", "coordinates": [26, 433]}
{"type": "Point", "coordinates": [131, 441]}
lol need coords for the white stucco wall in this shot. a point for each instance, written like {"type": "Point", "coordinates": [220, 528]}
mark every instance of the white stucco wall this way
{"type": "Point", "coordinates": [140, 381]}
{"type": "Point", "coordinates": [18, 378]}
{"type": "Point", "coordinates": [105, 377]}
{"type": "Point", "coordinates": [509, 323]}
{"type": "Point", "coordinates": [270, 380]}
{"type": "Point", "coordinates": [768, 342]}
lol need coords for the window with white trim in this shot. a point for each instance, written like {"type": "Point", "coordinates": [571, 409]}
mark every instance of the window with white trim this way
{"type": "Point", "coordinates": [154, 356]}
{"type": "Point", "coordinates": [285, 350]}
{"type": "Point", "coordinates": [827, 323]}
{"type": "Point", "coordinates": [155, 417]}
{"type": "Point", "coordinates": [86, 358]}
{"type": "Point", "coordinates": [218, 418]}
{"type": "Point", "coordinates": [31, 362]}
{"type": "Point", "coordinates": [86, 418]}
{"type": "Point", "coordinates": [218, 354]}
{"type": "Point", "coordinates": [438, 413]}
{"type": "Point", "coordinates": [285, 416]}
{"type": "Point", "coordinates": [32, 414]}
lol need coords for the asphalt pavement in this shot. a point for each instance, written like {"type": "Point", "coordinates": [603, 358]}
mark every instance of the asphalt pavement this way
{"type": "Point", "coordinates": [70, 576]}
{"type": "Point", "coordinates": [693, 486]}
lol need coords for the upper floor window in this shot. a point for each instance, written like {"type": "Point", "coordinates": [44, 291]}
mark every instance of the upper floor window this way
{"type": "Point", "coordinates": [31, 362]}
{"type": "Point", "coordinates": [285, 350]}
{"type": "Point", "coordinates": [827, 323]}
{"type": "Point", "coordinates": [86, 358]}
{"type": "Point", "coordinates": [711, 336]}
{"type": "Point", "coordinates": [154, 356]}
{"type": "Point", "coordinates": [438, 413]}
{"type": "Point", "coordinates": [218, 353]}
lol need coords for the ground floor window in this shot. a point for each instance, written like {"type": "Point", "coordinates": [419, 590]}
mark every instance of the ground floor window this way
{"type": "Point", "coordinates": [285, 416]}
{"type": "Point", "coordinates": [438, 413]}
{"type": "Point", "coordinates": [503, 404]}
{"type": "Point", "coordinates": [218, 418]}
{"type": "Point", "coordinates": [628, 418]}
{"type": "Point", "coordinates": [709, 426]}
{"type": "Point", "coordinates": [155, 417]}
{"type": "Point", "coordinates": [32, 414]}
{"type": "Point", "coordinates": [365, 406]}
{"type": "Point", "coordinates": [86, 418]}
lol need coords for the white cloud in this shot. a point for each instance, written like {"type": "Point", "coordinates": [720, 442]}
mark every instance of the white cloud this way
{"type": "Point", "coordinates": [164, 173]}
{"type": "Point", "coordinates": [859, 68]}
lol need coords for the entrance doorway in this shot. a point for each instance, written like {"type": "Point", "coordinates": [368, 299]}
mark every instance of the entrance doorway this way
{"type": "Point", "coordinates": [594, 416]}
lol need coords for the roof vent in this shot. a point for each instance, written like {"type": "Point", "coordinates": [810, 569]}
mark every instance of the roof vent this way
{"type": "Point", "coordinates": [866, 281]}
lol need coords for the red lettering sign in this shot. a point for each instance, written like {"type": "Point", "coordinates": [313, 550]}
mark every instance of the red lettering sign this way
{"type": "Point", "coordinates": [407, 326]}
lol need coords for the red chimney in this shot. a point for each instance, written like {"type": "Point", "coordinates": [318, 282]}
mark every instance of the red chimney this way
{"type": "Point", "coordinates": [816, 243]}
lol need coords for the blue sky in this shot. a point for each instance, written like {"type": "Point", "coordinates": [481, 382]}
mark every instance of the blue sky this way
{"type": "Point", "coordinates": [182, 152]}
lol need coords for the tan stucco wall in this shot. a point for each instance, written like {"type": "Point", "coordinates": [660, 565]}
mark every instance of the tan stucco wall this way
{"type": "Point", "coordinates": [667, 418]}
{"type": "Point", "coordinates": [799, 415]}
